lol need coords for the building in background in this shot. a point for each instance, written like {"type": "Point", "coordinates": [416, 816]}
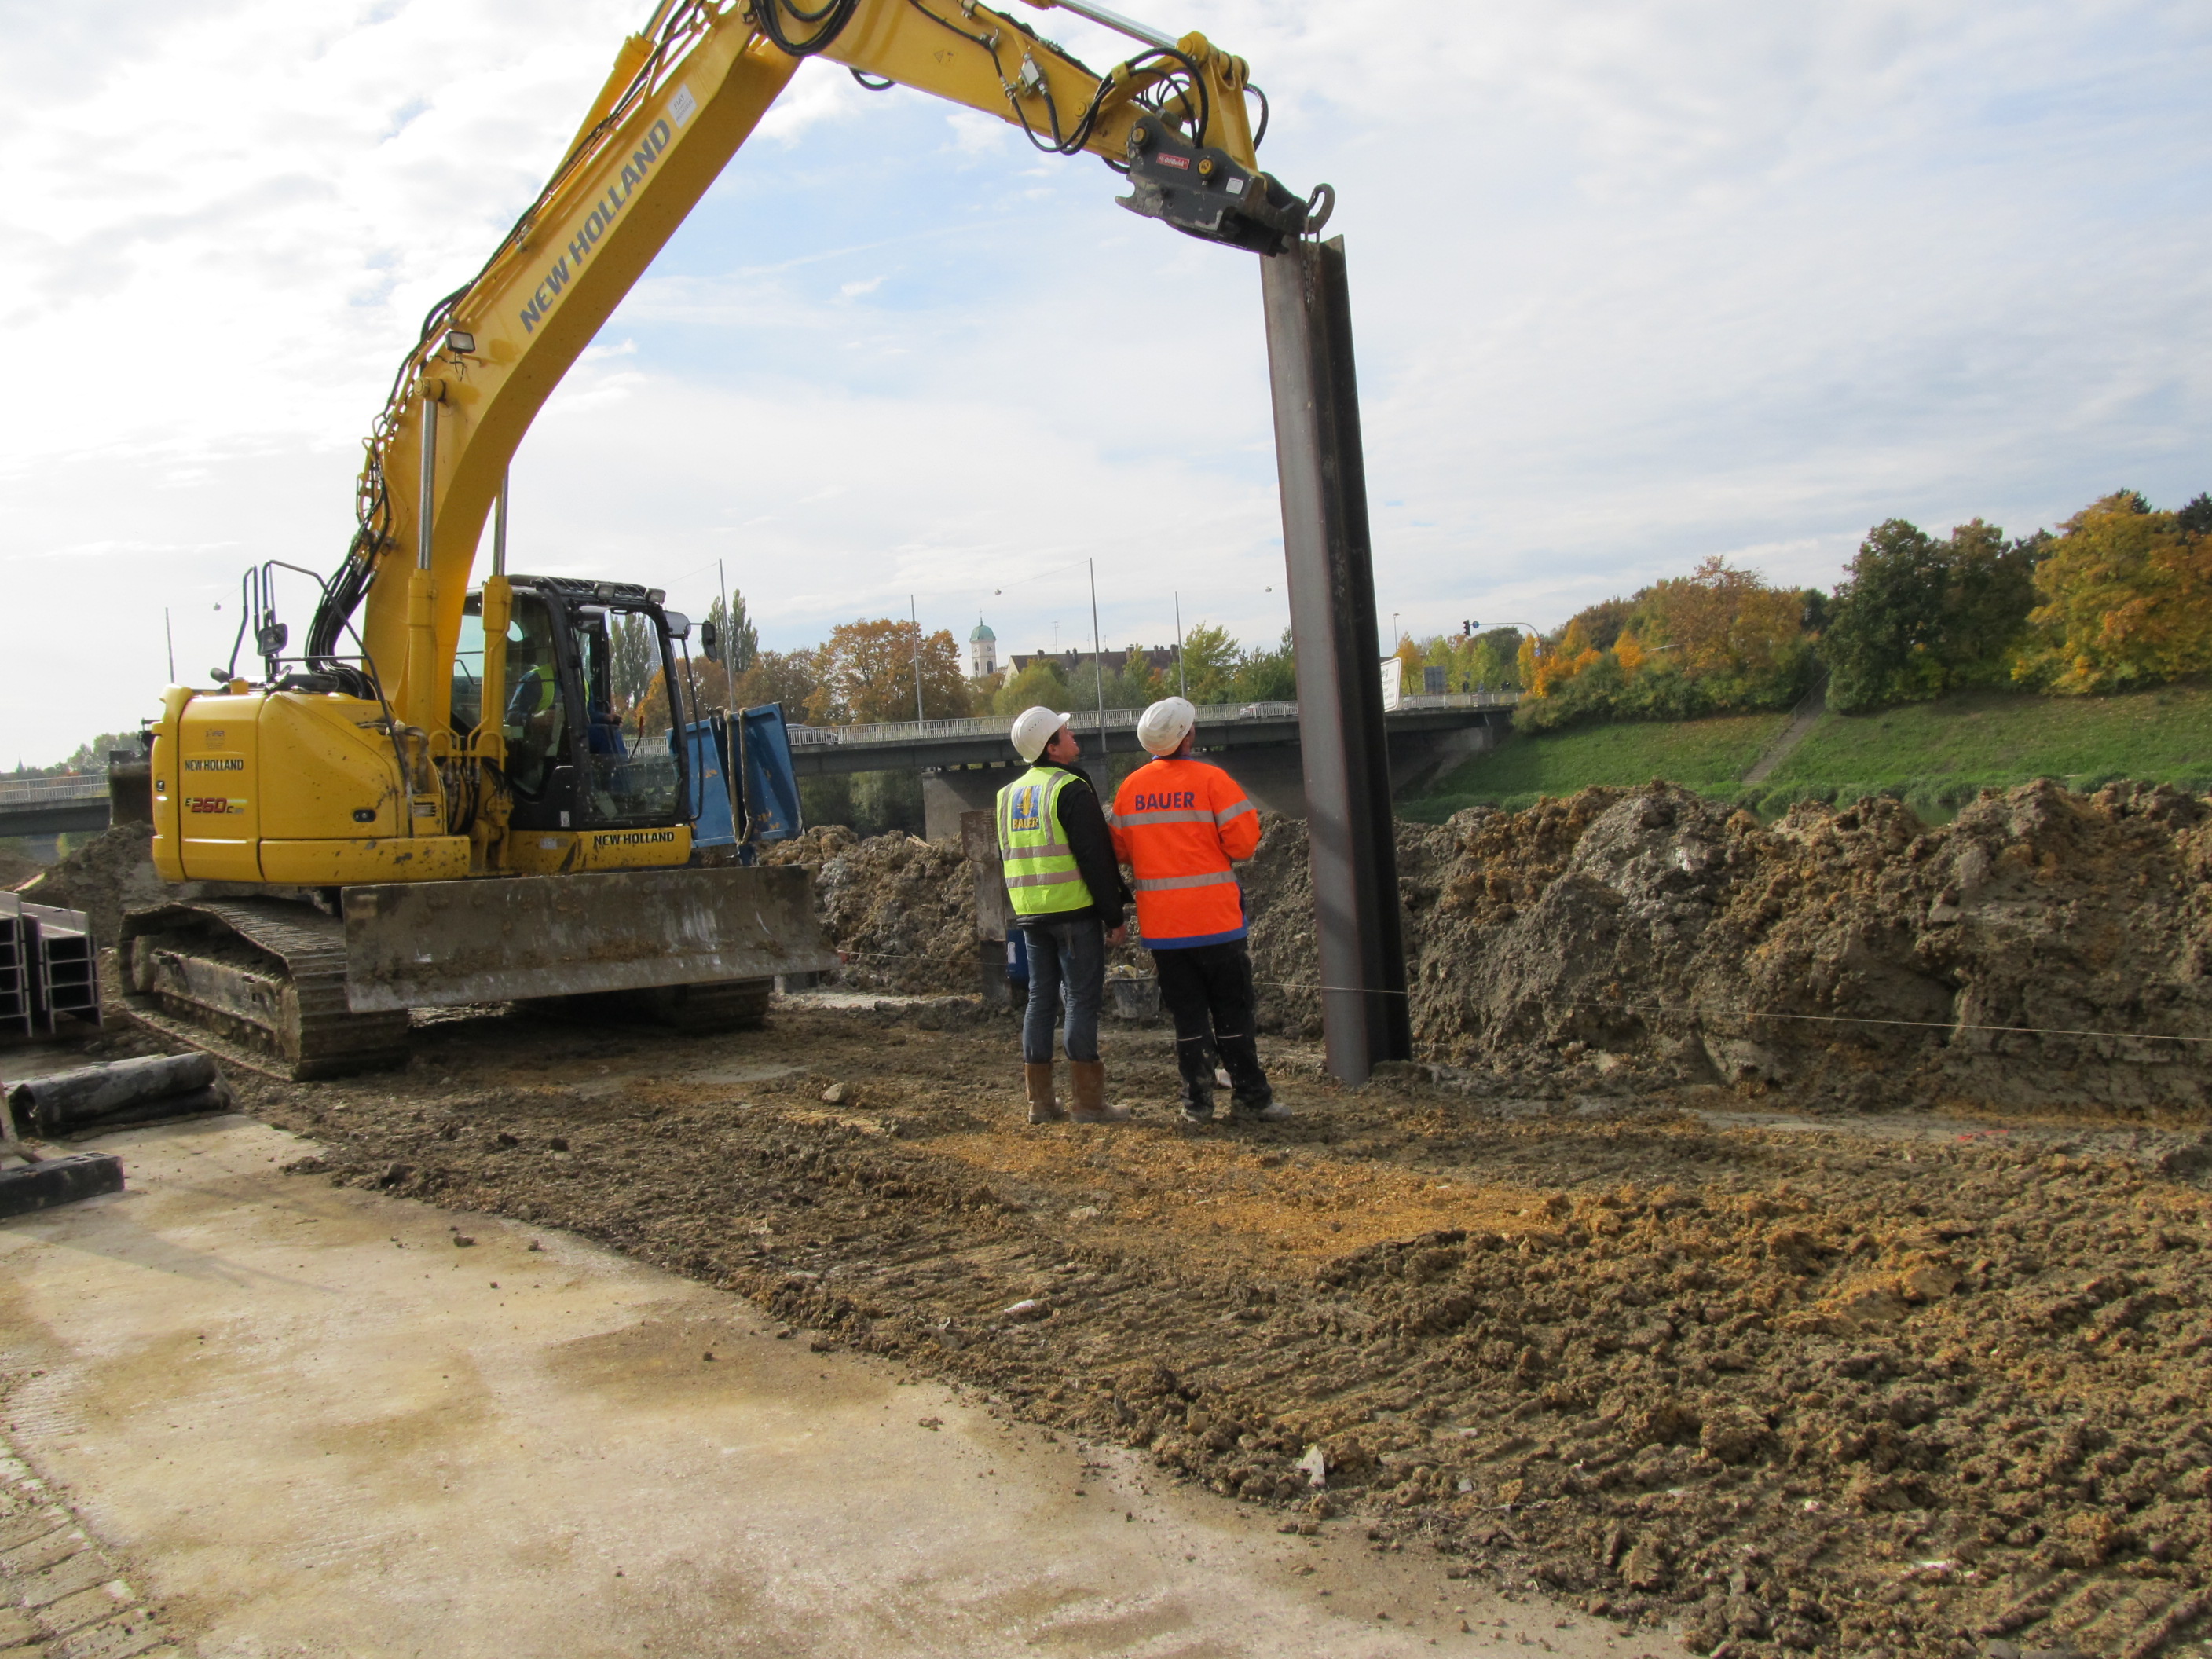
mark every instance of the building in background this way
{"type": "Point", "coordinates": [983, 652]}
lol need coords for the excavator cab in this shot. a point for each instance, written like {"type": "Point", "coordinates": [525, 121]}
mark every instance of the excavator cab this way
{"type": "Point", "coordinates": [571, 761]}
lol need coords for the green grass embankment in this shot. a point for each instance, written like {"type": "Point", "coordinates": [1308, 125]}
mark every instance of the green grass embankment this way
{"type": "Point", "coordinates": [1935, 756]}
{"type": "Point", "coordinates": [1707, 755]}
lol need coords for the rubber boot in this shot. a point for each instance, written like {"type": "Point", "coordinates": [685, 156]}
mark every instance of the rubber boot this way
{"type": "Point", "coordinates": [1087, 1085]}
{"type": "Point", "coordinates": [1194, 1063]}
{"type": "Point", "coordinates": [1043, 1109]}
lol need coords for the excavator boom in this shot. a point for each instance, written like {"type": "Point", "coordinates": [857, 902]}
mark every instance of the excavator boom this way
{"type": "Point", "coordinates": [677, 105]}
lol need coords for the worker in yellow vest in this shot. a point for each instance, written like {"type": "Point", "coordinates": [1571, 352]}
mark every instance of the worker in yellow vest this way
{"type": "Point", "coordinates": [1069, 900]}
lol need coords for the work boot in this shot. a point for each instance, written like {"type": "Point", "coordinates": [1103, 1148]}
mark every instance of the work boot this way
{"type": "Point", "coordinates": [1086, 1084]}
{"type": "Point", "coordinates": [1251, 1097]}
{"type": "Point", "coordinates": [1043, 1109]}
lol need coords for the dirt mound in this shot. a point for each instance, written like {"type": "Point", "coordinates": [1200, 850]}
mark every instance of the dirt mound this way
{"type": "Point", "coordinates": [109, 874]}
{"type": "Point", "coordinates": [114, 872]}
{"type": "Point", "coordinates": [1651, 935]}
{"type": "Point", "coordinates": [902, 910]}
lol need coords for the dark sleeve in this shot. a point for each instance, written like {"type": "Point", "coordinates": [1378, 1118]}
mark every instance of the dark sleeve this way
{"type": "Point", "coordinates": [1085, 826]}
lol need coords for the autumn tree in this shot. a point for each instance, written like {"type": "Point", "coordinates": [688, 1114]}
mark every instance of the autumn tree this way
{"type": "Point", "coordinates": [2126, 599]}
{"type": "Point", "coordinates": [788, 677]}
{"type": "Point", "coordinates": [1478, 662]}
{"type": "Point", "coordinates": [1915, 617]}
{"type": "Point", "coordinates": [1717, 639]}
{"type": "Point", "coordinates": [705, 690]}
{"type": "Point", "coordinates": [1039, 685]}
{"type": "Point", "coordinates": [867, 673]}
{"type": "Point", "coordinates": [1209, 663]}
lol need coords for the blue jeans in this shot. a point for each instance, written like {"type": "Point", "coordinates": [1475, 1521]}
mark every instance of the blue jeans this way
{"type": "Point", "coordinates": [1067, 965]}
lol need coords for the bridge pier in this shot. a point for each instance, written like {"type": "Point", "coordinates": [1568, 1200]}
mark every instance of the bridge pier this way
{"type": "Point", "coordinates": [957, 789]}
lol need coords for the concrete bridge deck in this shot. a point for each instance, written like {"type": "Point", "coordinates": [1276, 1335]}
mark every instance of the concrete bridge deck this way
{"type": "Point", "coordinates": [53, 806]}
{"type": "Point", "coordinates": [965, 763]}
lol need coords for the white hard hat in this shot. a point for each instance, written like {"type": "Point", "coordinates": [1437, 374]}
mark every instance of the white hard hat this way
{"type": "Point", "coordinates": [1033, 729]}
{"type": "Point", "coordinates": [1162, 727]}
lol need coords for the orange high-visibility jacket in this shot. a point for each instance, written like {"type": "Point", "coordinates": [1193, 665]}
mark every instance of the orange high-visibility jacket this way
{"type": "Point", "coordinates": [1177, 825]}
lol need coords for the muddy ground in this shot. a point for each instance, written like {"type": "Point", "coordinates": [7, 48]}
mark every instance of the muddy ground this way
{"type": "Point", "coordinates": [1894, 1385]}
{"type": "Point", "coordinates": [1719, 1271]}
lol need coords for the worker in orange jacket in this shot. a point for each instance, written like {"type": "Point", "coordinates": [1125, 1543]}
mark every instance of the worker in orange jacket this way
{"type": "Point", "coordinates": [1179, 824]}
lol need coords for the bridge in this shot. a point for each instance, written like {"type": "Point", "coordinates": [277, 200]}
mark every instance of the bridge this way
{"type": "Point", "coordinates": [53, 806]}
{"type": "Point", "coordinates": [965, 763]}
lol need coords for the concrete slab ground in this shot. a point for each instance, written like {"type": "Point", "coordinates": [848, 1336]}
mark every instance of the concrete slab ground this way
{"type": "Point", "coordinates": [312, 1421]}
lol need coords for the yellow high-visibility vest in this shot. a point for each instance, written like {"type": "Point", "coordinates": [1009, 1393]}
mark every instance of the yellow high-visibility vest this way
{"type": "Point", "coordinates": [1041, 877]}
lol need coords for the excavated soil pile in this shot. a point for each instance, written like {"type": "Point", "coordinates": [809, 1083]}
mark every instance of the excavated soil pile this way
{"type": "Point", "coordinates": [1889, 1389]}
{"type": "Point", "coordinates": [1627, 938]}
{"type": "Point", "coordinates": [1652, 934]}
{"type": "Point", "coordinates": [109, 874]}
{"type": "Point", "coordinates": [902, 910]}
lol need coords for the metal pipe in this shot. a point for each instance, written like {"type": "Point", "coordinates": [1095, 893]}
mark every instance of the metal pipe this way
{"type": "Point", "coordinates": [1330, 562]}
{"type": "Point", "coordinates": [914, 615]}
{"type": "Point", "coordinates": [1097, 655]}
{"type": "Point", "coordinates": [1112, 20]}
{"type": "Point", "coordinates": [1183, 679]}
{"type": "Point", "coordinates": [729, 634]}
{"type": "Point", "coordinates": [429, 482]}
{"type": "Point", "coordinates": [499, 527]}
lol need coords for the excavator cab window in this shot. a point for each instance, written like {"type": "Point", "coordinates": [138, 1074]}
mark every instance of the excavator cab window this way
{"type": "Point", "coordinates": [468, 668]}
{"type": "Point", "coordinates": [536, 722]}
{"type": "Point", "coordinates": [632, 775]}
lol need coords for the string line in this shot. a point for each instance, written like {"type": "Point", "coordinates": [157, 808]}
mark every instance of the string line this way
{"type": "Point", "coordinates": [1662, 1008]}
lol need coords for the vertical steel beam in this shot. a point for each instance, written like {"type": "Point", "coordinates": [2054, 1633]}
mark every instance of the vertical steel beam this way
{"type": "Point", "coordinates": [1330, 566]}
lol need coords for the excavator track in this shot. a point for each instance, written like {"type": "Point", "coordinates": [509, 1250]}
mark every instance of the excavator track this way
{"type": "Point", "coordinates": [258, 981]}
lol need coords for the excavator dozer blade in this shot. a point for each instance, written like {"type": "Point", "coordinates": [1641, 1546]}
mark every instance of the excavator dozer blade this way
{"type": "Point", "coordinates": [427, 944]}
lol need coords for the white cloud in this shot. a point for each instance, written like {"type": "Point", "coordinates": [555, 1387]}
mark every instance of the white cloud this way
{"type": "Point", "coordinates": [1635, 281]}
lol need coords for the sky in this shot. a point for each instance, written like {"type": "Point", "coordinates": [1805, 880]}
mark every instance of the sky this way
{"type": "Point", "coordinates": [1634, 282]}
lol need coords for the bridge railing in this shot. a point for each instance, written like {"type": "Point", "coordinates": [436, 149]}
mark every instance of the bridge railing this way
{"type": "Point", "coordinates": [1116, 720]}
{"type": "Point", "coordinates": [30, 791]}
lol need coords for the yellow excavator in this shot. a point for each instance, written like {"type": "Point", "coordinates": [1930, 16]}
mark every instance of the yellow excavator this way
{"type": "Point", "coordinates": [437, 806]}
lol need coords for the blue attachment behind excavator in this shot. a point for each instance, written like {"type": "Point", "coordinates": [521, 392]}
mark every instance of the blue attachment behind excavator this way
{"type": "Point", "coordinates": [747, 789]}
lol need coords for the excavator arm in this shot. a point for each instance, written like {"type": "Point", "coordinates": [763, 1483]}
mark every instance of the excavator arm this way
{"type": "Point", "coordinates": [681, 99]}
